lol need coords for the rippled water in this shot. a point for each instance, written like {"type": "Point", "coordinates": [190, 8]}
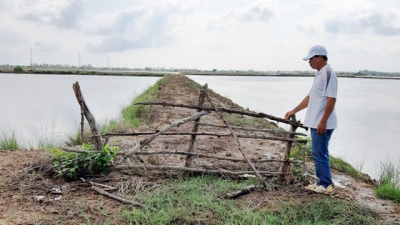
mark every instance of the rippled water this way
{"type": "Point", "coordinates": [368, 112]}
{"type": "Point", "coordinates": [37, 106]}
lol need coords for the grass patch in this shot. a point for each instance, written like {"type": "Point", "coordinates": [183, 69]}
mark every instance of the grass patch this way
{"type": "Point", "coordinates": [137, 115]}
{"type": "Point", "coordinates": [9, 142]}
{"type": "Point", "coordinates": [114, 126]}
{"type": "Point", "coordinates": [342, 166]}
{"type": "Point", "coordinates": [47, 143]}
{"type": "Point", "coordinates": [198, 201]}
{"type": "Point", "coordinates": [389, 183]}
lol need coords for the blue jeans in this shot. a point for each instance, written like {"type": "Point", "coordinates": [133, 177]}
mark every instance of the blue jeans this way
{"type": "Point", "coordinates": [320, 154]}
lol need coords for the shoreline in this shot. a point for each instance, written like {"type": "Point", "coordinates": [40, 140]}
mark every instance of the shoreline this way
{"type": "Point", "coordinates": [153, 73]}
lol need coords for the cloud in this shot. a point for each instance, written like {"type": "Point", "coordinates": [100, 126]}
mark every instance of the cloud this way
{"type": "Point", "coordinates": [44, 47]}
{"type": "Point", "coordinates": [260, 11]}
{"type": "Point", "coordinates": [138, 27]}
{"type": "Point", "coordinates": [310, 27]}
{"type": "Point", "coordinates": [62, 14]}
{"type": "Point", "coordinates": [9, 37]}
{"type": "Point", "coordinates": [371, 19]}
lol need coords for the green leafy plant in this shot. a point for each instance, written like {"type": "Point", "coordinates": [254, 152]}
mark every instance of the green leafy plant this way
{"type": "Point", "coordinates": [72, 165]}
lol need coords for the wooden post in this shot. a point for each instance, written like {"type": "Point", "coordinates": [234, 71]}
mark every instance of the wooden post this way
{"type": "Point", "coordinates": [285, 166]}
{"type": "Point", "coordinates": [195, 128]}
{"type": "Point", "coordinates": [82, 121]}
{"type": "Point", "coordinates": [89, 117]}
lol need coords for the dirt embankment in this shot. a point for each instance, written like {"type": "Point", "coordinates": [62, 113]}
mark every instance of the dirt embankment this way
{"type": "Point", "coordinates": [27, 187]}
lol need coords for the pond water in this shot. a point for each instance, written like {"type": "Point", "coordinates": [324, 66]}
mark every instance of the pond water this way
{"type": "Point", "coordinates": [38, 106]}
{"type": "Point", "coordinates": [368, 112]}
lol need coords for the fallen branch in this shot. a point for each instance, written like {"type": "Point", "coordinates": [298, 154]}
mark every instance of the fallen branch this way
{"type": "Point", "coordinates": [122, 200]}
{"type": "Point", "coordinates": [254, 114]}
{"type": "Point", "coordinates": [108, 188]}
{"type": "Point", "coordinates": [236, 194]}
{"type": "Point", "coordinates": [164, 129]}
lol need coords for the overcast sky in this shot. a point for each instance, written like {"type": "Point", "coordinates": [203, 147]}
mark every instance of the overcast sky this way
{"type": "Point", "coordinates": [202, 34]}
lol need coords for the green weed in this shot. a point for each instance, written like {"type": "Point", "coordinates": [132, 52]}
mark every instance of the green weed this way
{"type": "Point", "coordinates": [345, 167]}
{"type": "Point", "coordinates": [9, 142]}
{"type": "Point", "coordinates": [136, 115]}
{"type": "Point", "coordinates": [72, 165]}
{"type": "Point", "coordinates": [198, 201]}
{"type": "Point", "coordinates": [389, 182]}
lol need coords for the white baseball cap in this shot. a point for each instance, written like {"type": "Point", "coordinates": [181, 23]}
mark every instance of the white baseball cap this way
{"type": "Point", "coordinates": [316, 50]}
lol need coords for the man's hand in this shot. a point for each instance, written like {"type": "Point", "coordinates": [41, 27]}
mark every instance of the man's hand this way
{"type": "Point", "coordinates": [289, 114]}
{"type": "Point", "coordinates": [321, 129]}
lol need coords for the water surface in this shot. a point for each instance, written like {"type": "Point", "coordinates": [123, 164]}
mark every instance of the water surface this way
{"type": "Point", "coordinates": [37, 106]}
{"type": "Point", "coordinates": [368, 112]}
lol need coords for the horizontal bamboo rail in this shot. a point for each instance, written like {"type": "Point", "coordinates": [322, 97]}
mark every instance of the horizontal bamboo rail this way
{"type": "Point", "coordinates": [186, 169]}
{"type": "Point", "coordinates": [274, 138]}
{"type": "Point", "coordinates": [183, 153]}
{"type": "Point", "coordinates": [275, 131]}
{"type": "Point", "coordinates": [254, 114]}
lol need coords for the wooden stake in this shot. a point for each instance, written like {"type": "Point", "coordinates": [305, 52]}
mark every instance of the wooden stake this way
{"type": "Point", "coordinates": [285, 166]}
{"type": "Point", "coordinates": [195, 128]}
{"type": "Point", "coordinates": [89, 117]}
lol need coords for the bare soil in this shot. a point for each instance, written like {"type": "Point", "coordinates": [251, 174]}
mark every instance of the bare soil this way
{"type": "Point", "coordinates": [28, 189]}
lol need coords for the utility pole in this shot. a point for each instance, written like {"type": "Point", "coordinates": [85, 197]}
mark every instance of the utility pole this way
{"type": "Point", "coordinates": [108, 67]}
{"type": "Point", "coordinates": [79, 60]}
{"type": "Point", "coordinates": [31, 58]}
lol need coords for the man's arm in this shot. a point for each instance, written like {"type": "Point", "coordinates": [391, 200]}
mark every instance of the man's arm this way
{"type": "Point", "coordinates": [303, 104]}
{"type": "Point", "coordinates": [330, 105]}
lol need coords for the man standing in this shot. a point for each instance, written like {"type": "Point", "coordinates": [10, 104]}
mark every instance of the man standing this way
{"type": "Point", "coordinates": [320, 116]}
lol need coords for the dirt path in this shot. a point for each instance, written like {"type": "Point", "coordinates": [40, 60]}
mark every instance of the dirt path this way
{"type": "Point", "coordinates": [25, 175]}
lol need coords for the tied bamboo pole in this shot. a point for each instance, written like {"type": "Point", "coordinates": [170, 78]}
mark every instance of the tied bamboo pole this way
{"type": "Point", "coordinates": [240, 147]}
{"type": "Point", "coordinates": [247, 113]}
{"type": "Point", "coordinates": [285, 166]}
{"type": "Point", "coordinates": [195, 128]}
{"type": "Point", "coordinates": [255, 136]}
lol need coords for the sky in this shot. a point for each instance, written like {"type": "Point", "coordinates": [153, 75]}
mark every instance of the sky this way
{"type": "Point", "coordinates": [265, 35]}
